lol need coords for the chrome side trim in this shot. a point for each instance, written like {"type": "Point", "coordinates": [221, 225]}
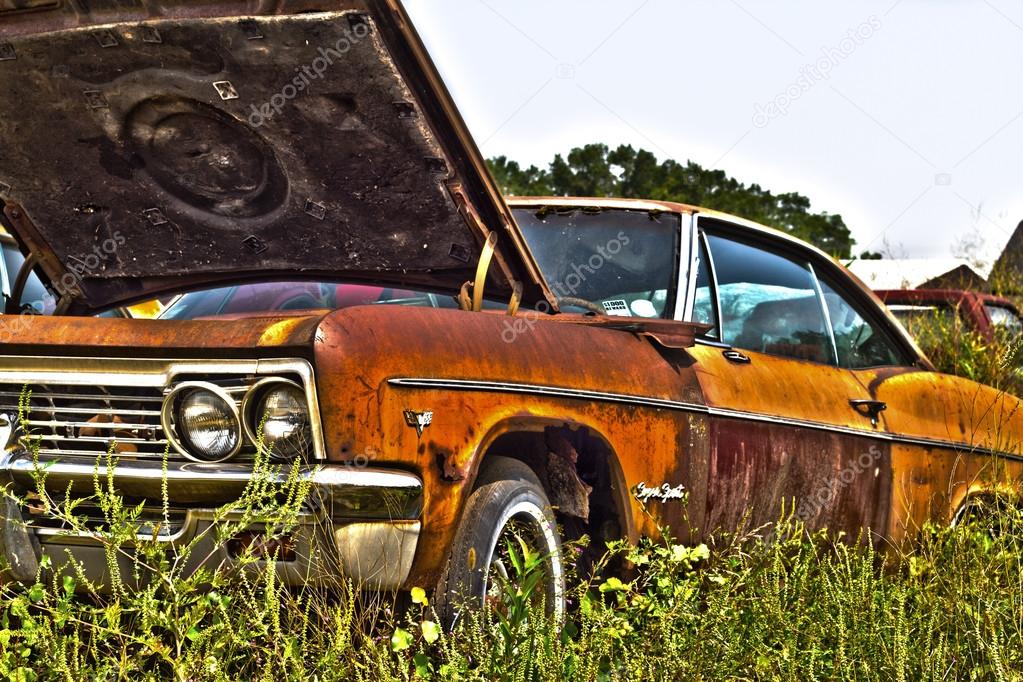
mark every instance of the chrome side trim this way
{"type": "Point", "coordinates": [715, 289]}
{"type": "Point", "coordinates": [660, 403]}
{"type": "Point", "coordinates": [551, 391]}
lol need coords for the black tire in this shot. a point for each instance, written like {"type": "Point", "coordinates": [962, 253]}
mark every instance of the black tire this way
{"type": "Point", "coordinates": [986, 512]}
{"type": "Point", "coordinates": [507, 495]}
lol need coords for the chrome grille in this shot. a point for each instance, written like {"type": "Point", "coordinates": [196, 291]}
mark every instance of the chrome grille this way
{"type": "Point", "coordinates": [86, 420]}
{"type": "Point", "coordinates": [90, 421]}
{"type": "Point", "coordinates": [80, 406]}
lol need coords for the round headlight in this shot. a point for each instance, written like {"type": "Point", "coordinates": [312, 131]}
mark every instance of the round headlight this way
{"type": "Point", "coordinates": [202, 422]}
{"type": "Point", "coordinates": [280, 407]}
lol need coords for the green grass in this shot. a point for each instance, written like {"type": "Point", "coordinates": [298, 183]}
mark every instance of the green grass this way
{"type": "Point", "coordinates": [786, 605]}
{"type": "Point", "coordinates": [800, 606]}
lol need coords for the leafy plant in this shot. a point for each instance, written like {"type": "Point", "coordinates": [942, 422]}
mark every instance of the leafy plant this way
{"type": "Point", "coordinates": [778, 603]}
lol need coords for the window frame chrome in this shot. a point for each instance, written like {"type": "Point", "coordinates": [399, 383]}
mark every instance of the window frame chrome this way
{"type": "Point", "coordinates": [5, 277]}
{"type": "Point", "coordinates": [686, 287]}
{"type": "Point", "coordinates": [699, 238]}
{"type": "Point", "coordinates": [827, 313]}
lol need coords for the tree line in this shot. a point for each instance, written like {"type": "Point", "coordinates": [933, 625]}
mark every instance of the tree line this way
{"type": "Point", "coordinates": [596, 170]}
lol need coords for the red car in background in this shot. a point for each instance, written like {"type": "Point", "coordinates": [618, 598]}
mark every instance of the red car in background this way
{"type": "Point", "coordinates": [983, 313]}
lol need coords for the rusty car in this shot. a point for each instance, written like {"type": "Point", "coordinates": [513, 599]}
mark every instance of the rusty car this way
{"type": "Point", "coordinates": [444, 367]}
{"type": "Point", "coordinates": [986, 314]}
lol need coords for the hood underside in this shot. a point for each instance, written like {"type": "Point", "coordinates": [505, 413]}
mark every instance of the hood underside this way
{"type": "Point", "coordinates": [141, 156]}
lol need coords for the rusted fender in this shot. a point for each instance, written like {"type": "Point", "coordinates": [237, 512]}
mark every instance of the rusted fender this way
{"type": "Point", "coordinates": [360, 350]}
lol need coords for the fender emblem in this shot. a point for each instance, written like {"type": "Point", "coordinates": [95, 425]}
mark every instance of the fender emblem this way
{"type": "Point", "coordinates": [663, 492]}
{"type": "Point", "coordinates": [419, 420]}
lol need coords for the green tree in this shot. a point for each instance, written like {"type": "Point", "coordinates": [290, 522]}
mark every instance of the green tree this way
{"type": "Point", "coordinates": [598, 171]}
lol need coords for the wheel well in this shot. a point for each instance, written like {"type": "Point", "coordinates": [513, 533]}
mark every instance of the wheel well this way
{"type": "Point", "coordinates": [977, 505]}
{"type": "Point", "coordinates": [597, 467]}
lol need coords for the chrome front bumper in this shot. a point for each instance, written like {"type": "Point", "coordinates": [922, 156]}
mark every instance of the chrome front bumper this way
{"type": "Point", "coordinates": [362, 524]}
{"type": "Point", "coordinates": [358, 522]}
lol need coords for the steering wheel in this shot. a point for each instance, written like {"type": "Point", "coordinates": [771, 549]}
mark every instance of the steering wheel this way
{"type": "Point", "coordinates": [582, 303]}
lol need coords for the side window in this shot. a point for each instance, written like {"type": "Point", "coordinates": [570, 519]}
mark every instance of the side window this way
{"type": "Point", "coordinates": [860, 344]}
{"type": "Point", "coordinates": [769, 303]}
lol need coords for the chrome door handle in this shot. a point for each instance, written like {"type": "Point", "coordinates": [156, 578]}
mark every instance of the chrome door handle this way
{"type": "Point", "coordinates": [869, 408]}
{"type": "Point", "coordinates": [736, 357]}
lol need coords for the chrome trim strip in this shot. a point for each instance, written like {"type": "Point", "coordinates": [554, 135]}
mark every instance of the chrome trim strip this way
{"type": "Point", "coordinates": [660, 403]}
{"type": "Point", "coordinates": [715, 290]}
{"type": "Point", "coordinates": [701, 341]}
{"type": "Point", "coordinates": [102, 440]}
{"type": "Point", "coordinates": [686, 271]}
{"type": "Point", "coordinates": [215, 473]}
{"type": "Point", "coordinates": [827, 313]}
{"type": "Point", "coordinates": [99, 426]}
{"type": "Point", "coordinates": [551, 391]}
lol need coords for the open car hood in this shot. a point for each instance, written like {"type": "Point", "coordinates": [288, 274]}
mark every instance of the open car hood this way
{"type": "Point", "coordinates": [152, 146]}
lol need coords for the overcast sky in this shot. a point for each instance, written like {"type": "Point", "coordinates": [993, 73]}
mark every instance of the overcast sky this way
{"type": "Point", "coordinates": [905, 117]}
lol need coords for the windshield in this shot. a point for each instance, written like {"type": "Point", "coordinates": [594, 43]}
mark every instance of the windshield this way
{"type": "Point", "coordinates": [283, 296]}
{"type": "Point", "coordinates": [35, 296]}
{"type": "Point", "coordinates": [618, 261]}
{"type": "Point", "coordinates": [1005, 318]}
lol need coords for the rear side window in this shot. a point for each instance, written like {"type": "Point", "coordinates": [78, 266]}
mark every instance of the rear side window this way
{"type": "Point", "coordinates": [769, 303]}
{"type": "Point", "coordinates": [859, 343]}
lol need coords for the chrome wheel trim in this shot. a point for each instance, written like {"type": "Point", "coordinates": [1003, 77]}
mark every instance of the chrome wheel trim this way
{"type": "Point", "coordinates": [548, 535]}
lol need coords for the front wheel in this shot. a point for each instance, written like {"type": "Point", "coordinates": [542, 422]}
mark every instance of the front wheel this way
{"type": "Point", "coordinates": [508, 505]}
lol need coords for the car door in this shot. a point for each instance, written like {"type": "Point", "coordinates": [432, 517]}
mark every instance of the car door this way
{"type": "Point", "coordinates": [951, 438]}
{"type": "Point", "coordinates": [783, 428]}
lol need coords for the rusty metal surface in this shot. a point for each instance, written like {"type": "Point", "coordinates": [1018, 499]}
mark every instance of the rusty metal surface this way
{"type": "Point", "coordinates": [184, 173]}
{"type": "Point", "coordinates": [931, 480]}
{"type": "Point", "coordinates": [756, 467]}
{"type": "Point", "coordinates": [358, 350]}
{"type": "Point", "coordinates": [224, 337]}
